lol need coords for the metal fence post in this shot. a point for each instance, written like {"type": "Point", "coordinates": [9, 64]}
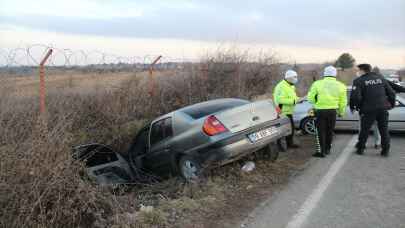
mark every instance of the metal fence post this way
{"type": "Point", "coordinates": [42, 106]}
{"type": "Point", "coordinates": [152, 84]}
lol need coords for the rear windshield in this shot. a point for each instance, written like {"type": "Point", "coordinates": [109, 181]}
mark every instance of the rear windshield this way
{"type": "Point", "coordinates": [198, 111]}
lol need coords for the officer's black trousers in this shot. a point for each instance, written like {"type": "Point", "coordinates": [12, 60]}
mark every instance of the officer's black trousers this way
{"type": "Point", "coordinates": [367, 120]}
{"type": "Point", "coordinates": [325, 124]}
{"type": "Point", "coordinates": [290, 138]}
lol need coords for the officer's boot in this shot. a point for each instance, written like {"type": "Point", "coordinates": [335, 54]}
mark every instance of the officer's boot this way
{"type": "Point", "coordinates": [359, 148]}
{"type": "Point", "coordinates": [360, 151]}
{"type": "Point", "coordinates": [328, 148]}
{"type": "Point", "coordinates": [319, 154]}
{"type": "Point", "coordinates": [385, 151]}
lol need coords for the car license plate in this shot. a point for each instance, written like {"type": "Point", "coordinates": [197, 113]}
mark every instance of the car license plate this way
{"type": "Point", "coordinates": [254, 137]}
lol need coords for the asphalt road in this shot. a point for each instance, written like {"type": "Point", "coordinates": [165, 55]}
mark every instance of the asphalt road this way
{"type": "Point", "coordinates": [342, 190]}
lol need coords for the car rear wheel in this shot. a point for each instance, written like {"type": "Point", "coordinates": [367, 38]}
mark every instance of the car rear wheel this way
{"type": "Point", "coordinates": [308, 126]}
{"type": "Point", "coordinates": [282, 144]}
{"type": "Point", "coordinates": [271, 152]}
{"type": "Point", "coordinates": [189, 168]}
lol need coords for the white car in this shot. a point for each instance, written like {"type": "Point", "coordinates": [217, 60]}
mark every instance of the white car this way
{"type": "Point", "coordinates": [304, 121]}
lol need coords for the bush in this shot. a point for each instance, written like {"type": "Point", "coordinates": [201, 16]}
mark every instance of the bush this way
{"type": "Point", "coordinates": [42, 186]}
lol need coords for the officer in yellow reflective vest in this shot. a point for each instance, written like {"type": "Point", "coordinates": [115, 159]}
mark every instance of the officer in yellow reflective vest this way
{"type": "Point", "coordinates": [329, 97]}
{"type": "Point", "coordinates": [285, 98]}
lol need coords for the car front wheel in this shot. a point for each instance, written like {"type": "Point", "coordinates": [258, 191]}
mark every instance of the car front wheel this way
{"type": "Point", "coordinates": [308, 125]}
{"type": "Point", "coordinates": [189, 168]}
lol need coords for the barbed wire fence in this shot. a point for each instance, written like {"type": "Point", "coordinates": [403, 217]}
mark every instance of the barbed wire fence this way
{"type": "Point", "coordinates": [224, 73]}
{"type": "Point", "coordinates": [31, 55]}
{"type": "Point", "coordinates": [37, 57]}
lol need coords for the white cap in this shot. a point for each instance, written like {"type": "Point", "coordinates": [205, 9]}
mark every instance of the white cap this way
{"type": "Point", "coordinates": [330, 71]}
{"type": "Point", "coordinates": [290, 74]}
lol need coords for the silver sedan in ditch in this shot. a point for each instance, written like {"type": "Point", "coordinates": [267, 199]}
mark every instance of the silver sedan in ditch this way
{"type": "Point", "coordinates": [190, 139]}
{"type": "Point", "coordinates": [305, 121]}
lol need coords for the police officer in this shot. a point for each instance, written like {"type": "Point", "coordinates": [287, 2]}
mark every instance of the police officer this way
{"type": "Point", "coordinates": [285, 97]}
{"type": "Point", "coordinates": [377, 137]}
{"type": "Point", "coordinates": [372, 96]}
{"type": "Point", "coordinates": [329, 98]}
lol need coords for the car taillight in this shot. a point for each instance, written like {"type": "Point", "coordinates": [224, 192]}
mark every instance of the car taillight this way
{"type": "Point", "coordinates": [212, 126]}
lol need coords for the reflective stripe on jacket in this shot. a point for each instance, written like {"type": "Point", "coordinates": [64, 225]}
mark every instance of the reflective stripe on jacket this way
{"type": "Point", "coordinates": [329, 93]}
{"type": "Point", "coordinates": [285, 97]}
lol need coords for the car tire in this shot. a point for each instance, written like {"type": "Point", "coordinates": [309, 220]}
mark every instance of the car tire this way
{"type": "Point", "coordinates": [189, 168]}
{"type": "Point", "coordinates": [308, 125]}
{"type": "Point", "coordinates": [282, 144]}
{"type": "Point", "coordinates": [272, 152]}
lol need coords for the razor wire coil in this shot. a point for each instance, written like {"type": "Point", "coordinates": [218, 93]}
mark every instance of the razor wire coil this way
{"type": "Point", "coordinates": [32, 54]}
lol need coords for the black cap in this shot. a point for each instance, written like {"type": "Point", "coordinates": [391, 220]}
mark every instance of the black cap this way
{"type": "Point", "coordinates": [365, 67]}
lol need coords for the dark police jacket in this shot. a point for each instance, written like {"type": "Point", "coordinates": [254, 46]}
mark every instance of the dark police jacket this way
{"type": "Point", "coordinates": [371, 92]}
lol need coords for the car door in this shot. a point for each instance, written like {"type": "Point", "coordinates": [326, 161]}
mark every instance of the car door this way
{"type": "Point", "coordinates": [158, 158]}
{"type": "Point", "coordinates": [348, 122]}
{"type": "Point", "coordinates": [139, 147]}
{"type": "Point", "coordinates": [103, 164]}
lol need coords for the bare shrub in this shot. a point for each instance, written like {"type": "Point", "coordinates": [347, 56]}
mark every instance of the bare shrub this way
{"type": "Point", "coordinates": [42, 186]}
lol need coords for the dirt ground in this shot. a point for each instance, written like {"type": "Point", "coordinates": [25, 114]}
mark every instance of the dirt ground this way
{"type": "Point", "coordinates": [259, 186]}
{"type": "Point", "coordinates": [227, 196]}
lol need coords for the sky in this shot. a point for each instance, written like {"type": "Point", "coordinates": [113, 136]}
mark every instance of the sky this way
{"type": "Point", "coordinates": [298, 31]}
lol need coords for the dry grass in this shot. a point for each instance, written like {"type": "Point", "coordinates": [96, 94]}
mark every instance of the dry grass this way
{"type": "Point", "coordinates": [68, 82]}
{"type": "Point", "coordinates": [42, 186]}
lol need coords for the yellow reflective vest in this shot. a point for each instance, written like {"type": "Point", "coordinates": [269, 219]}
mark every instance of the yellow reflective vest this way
{"type": "Point", "coordinates": [285, 97]}
{"type": "Point", "coordinates": [329, 93]}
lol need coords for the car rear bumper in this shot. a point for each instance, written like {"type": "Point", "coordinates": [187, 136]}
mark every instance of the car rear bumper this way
{"type": "Point", "coordinates": [239, 144]}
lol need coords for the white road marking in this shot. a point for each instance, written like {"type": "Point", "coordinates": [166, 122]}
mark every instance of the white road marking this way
{"type": "Point", "coordinates": [312, 201]}
{"type": "Point", "coordinates": [402, 167]}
